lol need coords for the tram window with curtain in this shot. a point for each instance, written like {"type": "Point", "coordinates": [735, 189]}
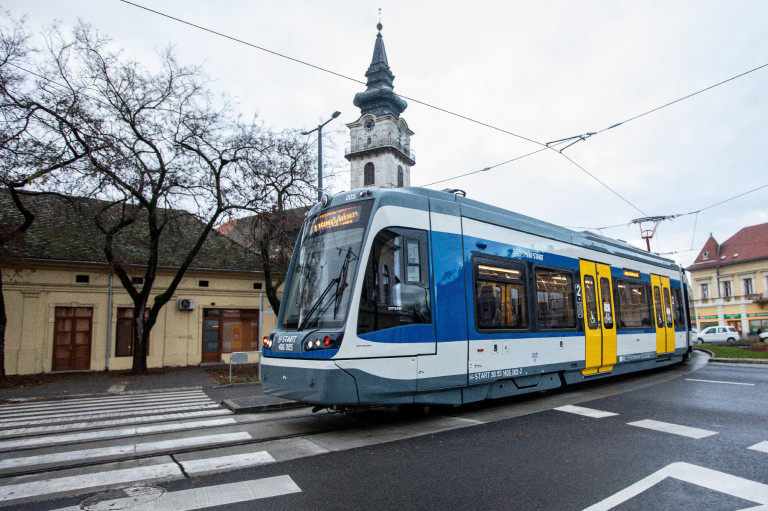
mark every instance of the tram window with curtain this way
{"type": "Point", "coordinates": [396, 281]}
{"type": "Point", "coordinates": [501, 298]}
{"type": "Point", "coordinates": [633, 304]}
{"type": "Point", "coordinates": [555, 299]}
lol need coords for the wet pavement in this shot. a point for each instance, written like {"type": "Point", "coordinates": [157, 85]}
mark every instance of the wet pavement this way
{"type": "Point", "coordinates": [239, 397]}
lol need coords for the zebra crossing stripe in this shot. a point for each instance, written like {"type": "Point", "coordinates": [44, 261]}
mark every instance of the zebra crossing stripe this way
{"type": "Point", "coordinates": [762, 447]}
{"type": "Point", "coordinates": [244, 460]}
{"type": "Point", "coordinates": [121, 450]}
{"type": "Point", "coordinates": [21, 430]}
{"type": "Point", "coordinates": [14, 408]}
{"type": "Point", "coordinates": [209, 496]}
{"type": "Point", "coordinates": [674, 429]}
{"type": "Point", "coordinates": [99, 409]}
{"type": "Point", "coordinates": [67, 484]}
{"type": "Point", "coordinates": [586, 412]}
{"type": "Point", "coordinates": [28, 443]}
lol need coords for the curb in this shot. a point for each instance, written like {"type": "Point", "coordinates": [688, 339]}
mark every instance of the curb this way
{"type": "Point", "coordinates": [716, 360]}
{"type": "Point", "coordinates": [261, 404]}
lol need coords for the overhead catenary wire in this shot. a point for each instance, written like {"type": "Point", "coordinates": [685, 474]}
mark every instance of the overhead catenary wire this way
{"type": "Point", "coordinates": [549, 145]}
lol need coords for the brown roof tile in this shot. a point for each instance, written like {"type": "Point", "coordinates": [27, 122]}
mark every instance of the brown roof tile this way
{"type": "Point", "coordinates": [749, 244]}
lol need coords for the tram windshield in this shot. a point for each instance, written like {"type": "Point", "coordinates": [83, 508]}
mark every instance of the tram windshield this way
{"type": "Point", "coordinates": [328, 256]}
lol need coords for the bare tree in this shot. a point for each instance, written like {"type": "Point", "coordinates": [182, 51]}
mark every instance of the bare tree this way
{"type": "Point", "coordinates": [290, 189]}
{"type": "Point", "coordinates": [29, 155]}
{"type": "Point", "coordinates": [157, 149]}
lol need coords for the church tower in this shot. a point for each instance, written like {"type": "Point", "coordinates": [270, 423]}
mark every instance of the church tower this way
{"type": "Point", "coordinates": [380, 140]}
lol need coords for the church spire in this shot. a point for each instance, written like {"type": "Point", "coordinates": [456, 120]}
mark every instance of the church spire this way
{"type": "Point", "coordinates": [379, 97]}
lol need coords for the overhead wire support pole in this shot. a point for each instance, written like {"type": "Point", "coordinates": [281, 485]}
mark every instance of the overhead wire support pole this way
{"type": "Point", "coordinates": [319, 130]}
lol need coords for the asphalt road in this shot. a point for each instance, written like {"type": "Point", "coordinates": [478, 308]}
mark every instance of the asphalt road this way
{"type": "Point", "coordinates": [556, 460]}
{"type": "Point", "coordinates": [682, 438]}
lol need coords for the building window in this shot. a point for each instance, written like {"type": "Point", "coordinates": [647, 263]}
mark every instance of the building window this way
{"type": "Point", "coordinates": [400, 177]}
{"type": "Point", "coordinates": [82, 279]}
{"type": "Point", "coordinates": [704, 291]}
{"type": "Point", "coordinates": [228, 331]}
{"type": "Point", "coordinates": [727, 292]}
{"type": "Point", "coordinates": [125, 330]}
{"type": "Point", "coordinates": [748, 289]}
{"type": "Point", "coordinates": [369, 176]}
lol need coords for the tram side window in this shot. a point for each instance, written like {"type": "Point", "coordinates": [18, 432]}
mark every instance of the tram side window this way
{"type": "Point", "coordinates": [668, 307]}
{"type": "Point", "coordinates": [396, 281]}
{"type": "Point", "coordinates": [501, 301]}
{"type": "Point", "coordinates": [590, 297]}
{"type": "Point", "coordinates": [633, 304]}
{"type": "Point", "coordinates": [555, 299]}
{"type": "Point", "coordinates": [677, 307]}
{"type": "Point", "coordinates": [657, 305]}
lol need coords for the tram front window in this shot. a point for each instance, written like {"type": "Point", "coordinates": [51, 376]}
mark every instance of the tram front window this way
{"type": "Point", "coordinates": [396, 281]}
{"type": "Point", "coordinates": [327, 260]}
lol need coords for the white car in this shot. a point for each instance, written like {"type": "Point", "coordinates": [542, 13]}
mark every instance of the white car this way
{"type": "Point", "coordinates": [764, 336]}
{"type": "Point", "coordinates": [718, 334]}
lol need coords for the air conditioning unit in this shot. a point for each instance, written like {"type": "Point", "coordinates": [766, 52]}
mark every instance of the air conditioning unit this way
{"type": "Point", "coordinates": [186, 304]}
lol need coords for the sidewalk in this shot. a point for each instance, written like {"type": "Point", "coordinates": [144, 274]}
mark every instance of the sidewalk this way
{"type": "Point", "coordinates": [239, 397]}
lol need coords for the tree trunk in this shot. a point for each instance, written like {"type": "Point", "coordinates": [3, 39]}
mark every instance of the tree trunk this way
{"type": "Point", "coordinates": [3, 324]}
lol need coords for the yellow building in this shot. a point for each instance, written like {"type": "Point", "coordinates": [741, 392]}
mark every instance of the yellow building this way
{"type": "Point", "coordinates": [730, 281]}
{"type": "Point", "coordinates": [67, 312]}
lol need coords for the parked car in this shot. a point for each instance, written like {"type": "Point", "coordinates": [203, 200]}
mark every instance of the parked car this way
{"type": "Point", "coordinates": [718, 334]}
{"type": "Point", "coordinates": [764, 336]}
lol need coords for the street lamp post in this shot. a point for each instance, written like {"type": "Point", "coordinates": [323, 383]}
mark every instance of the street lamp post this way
{"type": "Point", "coordinates": [319, 130]}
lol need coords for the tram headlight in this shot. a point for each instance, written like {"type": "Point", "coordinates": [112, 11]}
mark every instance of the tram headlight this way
{"type": "Point", "coordinates": [267, 342]}
{"type": "Point", "coordinates": [332, 341]}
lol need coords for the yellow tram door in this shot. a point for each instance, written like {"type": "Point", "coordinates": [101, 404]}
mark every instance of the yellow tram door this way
{"type": "Point", "coordinates": [599, 322]}
{"type": "Point", "coordinates": [662, 312]}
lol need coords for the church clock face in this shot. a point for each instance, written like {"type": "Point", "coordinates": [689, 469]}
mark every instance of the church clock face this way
{"type": "Point", "coordinates": [369, 124]}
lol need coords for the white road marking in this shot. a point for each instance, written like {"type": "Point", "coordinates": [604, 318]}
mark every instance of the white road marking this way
{"type": "Point", "coordinates": [117, 388]}
{"type": "Point", "coordinates": [22, 443]}
{"type": "Point", "coordinates": [64, 412]}
{"type": "Point", "coordinates": [15, 408]}
{"type": "Point", "coordinates": [20, 430]}
{"type": "Point", "coordinates": [57, 485]}
{"type": "Point", "coordinates": [721, 382]}
{"type": "Point", "coordinates": [210, 496]}
{"type": "Point", "coordinates": [587, 412]}
{"type": "Point", "coordinates": [762, 447]}
{"type": "Point", "coordinates": [700, 476]}
{"type": "Point", "coordinates": [206, 465]}
{"type": "Point", "coordinates": [674, 429]}
{"type": "Point", "coordinates": [102, 452]}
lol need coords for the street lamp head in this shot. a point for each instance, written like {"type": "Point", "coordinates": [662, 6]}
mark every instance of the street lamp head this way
{"type": "Point", "coordinates": [335, 114]}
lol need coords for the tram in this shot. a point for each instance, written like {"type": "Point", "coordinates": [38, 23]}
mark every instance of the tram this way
{"type": "Point", "coordinates": [415, 296]}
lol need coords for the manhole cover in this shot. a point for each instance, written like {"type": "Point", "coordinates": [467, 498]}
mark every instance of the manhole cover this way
{"type": "Point", "coordinates": [125, 498]}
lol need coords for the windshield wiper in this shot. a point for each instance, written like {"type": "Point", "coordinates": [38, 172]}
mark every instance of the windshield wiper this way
{"type": "Point", "coordinates": [342, 279]}
{"type": "Point", "coordinates": [319, 300]}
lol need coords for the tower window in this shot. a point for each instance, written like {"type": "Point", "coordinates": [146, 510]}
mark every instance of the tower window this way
{"type": "Point", "coordinates": [400, 177]}
{"type": "Point", "coordinates": [369, 176]}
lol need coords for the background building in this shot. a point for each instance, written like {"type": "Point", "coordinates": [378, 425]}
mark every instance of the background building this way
{"type": "Point", "coordinates": [67, 312]}
{"type": "Point", "coordinates": [380, 140]}
{"type": "Point", "coordinates": [730, 281]}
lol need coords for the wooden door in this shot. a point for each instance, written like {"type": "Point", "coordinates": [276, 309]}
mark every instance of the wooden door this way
{"type": "Point", "coordinates": [72, 339]}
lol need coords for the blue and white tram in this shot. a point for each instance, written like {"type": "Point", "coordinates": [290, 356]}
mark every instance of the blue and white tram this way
{"type": "Point", "coordinates": [401, 296]}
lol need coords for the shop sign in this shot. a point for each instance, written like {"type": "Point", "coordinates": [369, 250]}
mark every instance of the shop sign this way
{"type": "Point", "coordinates": [732, 316]}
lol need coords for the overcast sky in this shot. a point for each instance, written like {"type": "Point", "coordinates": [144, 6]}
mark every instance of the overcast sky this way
{"type": "Point", "coordinates": [542, 70]}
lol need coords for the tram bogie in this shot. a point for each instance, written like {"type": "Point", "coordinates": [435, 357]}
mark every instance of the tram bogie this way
{"type": "Point", "coordinates": [412, 296]}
